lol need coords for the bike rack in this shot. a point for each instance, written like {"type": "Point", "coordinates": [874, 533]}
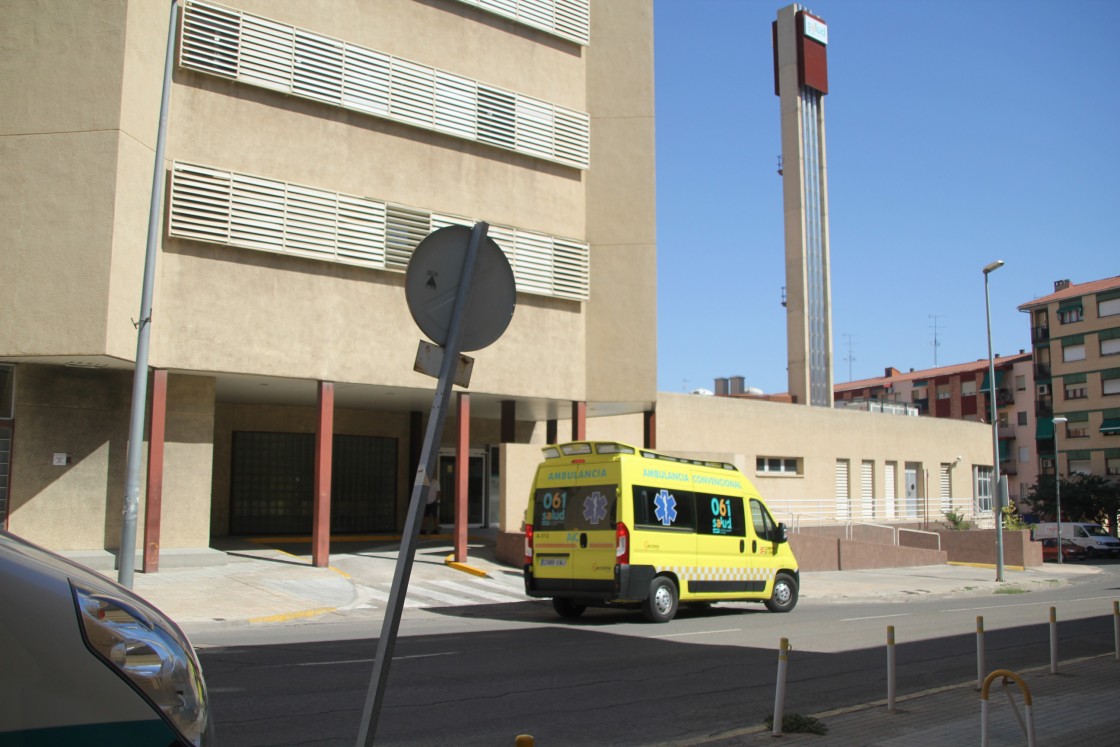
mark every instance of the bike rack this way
{"type": "Point", "coordinates": [1007, 676]}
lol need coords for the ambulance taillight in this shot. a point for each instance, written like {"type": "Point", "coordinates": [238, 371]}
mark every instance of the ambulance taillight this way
{"type": "Point", "coordinates": [622, 544]}
{"type": "Point", "coordinates": [528, 544]}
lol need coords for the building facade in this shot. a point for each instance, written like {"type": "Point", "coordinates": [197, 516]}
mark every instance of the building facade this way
{"type": "Point", "coordinates": [310, 146]}
{"type": "Point", "coordinates": [1075, 332]}
{"type": "Point", "coordinates": [961, 392]}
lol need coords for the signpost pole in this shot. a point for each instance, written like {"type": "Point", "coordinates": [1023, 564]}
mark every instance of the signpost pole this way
{"type": "Point", "coordinates": [424, 475]}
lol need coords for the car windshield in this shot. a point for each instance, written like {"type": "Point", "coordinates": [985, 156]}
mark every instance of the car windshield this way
{"type": "Point", "coordinates": [1093, 530]}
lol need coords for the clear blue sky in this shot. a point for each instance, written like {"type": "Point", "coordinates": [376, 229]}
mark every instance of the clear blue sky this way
{"type": "Point", "coordinates": [958, 133]}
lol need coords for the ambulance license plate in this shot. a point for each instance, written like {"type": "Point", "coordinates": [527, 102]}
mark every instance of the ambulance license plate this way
{"type": "Point", "coordinates": [553, 562]}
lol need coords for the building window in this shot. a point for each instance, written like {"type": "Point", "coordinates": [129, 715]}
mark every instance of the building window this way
{"type": "Point", "coordinates": [1070, 314]}
{"type": "Point", "coordinates": [1112, 465]}
{"type": "Point", "coordinates": [261, 52]}
{"type": "Point", "coordinates": [1110, 341]}
{"type": "Point", "coordinates": [1110, 381]}
{"type": "Point", "coordinates": [1108, 304]}
{"type": "Point", "coordinates": [570, 19]}
{"type": "Point", "coordinates": [968, 388]}
{"type": "Point", "coordinates": [777, 465]}
{"type": "Point", "coordinates": [1077, 431]}
{"type": "Point", "coordinates": [1020, 383]}
{"type": "Point", "coordinates": [1076, 391]}
{"type": "Point", "coordinates": [943, 391]}
{"type": "Point", "coordinates": [232, 209]}
{"type": "Point", "coordinates": [1024, 454]}
{"type": "Point", "coordinates": [1072, 353]}
{"type": "Point", "coordinates": [1022, 418]}
{"type": "Point", "coordinates": [1080, 467]}
{"type": "Point", "coordinates": [982, 479]}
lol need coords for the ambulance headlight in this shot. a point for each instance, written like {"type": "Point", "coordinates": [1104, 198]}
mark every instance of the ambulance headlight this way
{"type": "Point", "coordinates": [150, 653]}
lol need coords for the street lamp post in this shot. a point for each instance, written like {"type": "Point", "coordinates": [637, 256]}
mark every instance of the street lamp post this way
{"type": "Point", "coordinates": [988, 270]}
{"type": "Point", "coordinates": [1058, 482]}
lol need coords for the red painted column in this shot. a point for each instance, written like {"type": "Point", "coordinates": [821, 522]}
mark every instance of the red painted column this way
{"type": "Point", "coordinates": [650, 429]}
{"type": "Point", "coordinates": [579, 421]}
{"type": "Point", "coordinates": [324, 449]}
{"type": "Point", "coordinates": [462, 475]}
{"type": "Point", "coordinates": [153, 501]}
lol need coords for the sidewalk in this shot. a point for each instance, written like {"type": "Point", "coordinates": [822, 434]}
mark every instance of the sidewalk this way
{"type": "Point", "coordinates": [1076, 707]}
{"type": "Point", "coordinates": [245, 583]}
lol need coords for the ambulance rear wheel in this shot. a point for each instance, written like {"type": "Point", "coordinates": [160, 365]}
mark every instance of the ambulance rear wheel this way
{"type": "Point", "coordinates": [784, 596]}
{"type": "Point", "coordinates": [568, 608]}
{"type": "Point", "coordinates": [661, 604]}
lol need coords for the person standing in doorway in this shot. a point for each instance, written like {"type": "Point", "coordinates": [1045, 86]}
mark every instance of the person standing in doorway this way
{"type": "Point", "coordinates": [431, 511]}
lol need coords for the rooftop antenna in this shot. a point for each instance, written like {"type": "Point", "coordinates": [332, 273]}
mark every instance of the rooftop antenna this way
{"type": "Point", "coordinates": [783, 297]}
{"type": "Point", "coordinates": [936, 341]}
{"type": "Point", "coordinates": [850, 356]}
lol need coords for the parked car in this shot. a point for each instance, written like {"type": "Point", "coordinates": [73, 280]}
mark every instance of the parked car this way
{"type": "Point", "coordinates": [1070, 551]}
{"type": "Point", "coordinates": [86, 661]}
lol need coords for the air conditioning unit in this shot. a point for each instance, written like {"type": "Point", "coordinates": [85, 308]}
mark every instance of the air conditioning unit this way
{"type": "Point", "coordinates": [1043, 389]}
{"type": "Point", "coordinates": [1047, 463]}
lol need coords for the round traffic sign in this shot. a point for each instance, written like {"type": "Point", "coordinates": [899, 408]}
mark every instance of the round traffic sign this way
{"type": "Point", "coordinates": [432, 282]}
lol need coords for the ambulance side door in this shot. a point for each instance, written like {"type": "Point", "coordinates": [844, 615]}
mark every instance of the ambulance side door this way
{"type": "Point", "coordinates": [764, 541]}
{"type": "Point", "coordinates": [721, 546]}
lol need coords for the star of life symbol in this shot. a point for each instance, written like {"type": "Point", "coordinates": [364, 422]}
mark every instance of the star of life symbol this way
{"type": "Point", "coordinates": [595, 507]}
{"type": "Point", "coordinates": [666, 507]}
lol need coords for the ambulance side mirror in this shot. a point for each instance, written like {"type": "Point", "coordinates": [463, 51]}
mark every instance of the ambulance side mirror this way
{"type": "Point", "coordinates": [783, 534]}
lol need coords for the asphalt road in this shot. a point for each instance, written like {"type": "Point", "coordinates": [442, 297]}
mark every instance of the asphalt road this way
{"type": "Point", "coordinates": [483, 674]}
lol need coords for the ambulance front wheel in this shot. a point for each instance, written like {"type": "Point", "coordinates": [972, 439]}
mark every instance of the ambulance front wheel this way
{"type": "Point", "coordinates": [784, 596]}
{"type": "Point", "coordinates": [661, 604]}
{"type": "Point", "coordinates": [567, 607]}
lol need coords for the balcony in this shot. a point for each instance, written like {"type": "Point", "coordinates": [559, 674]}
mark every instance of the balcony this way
{"type": "Point", "coordinates": [1008, 466]}
{"type": "Point", "coordinates": [1040, 334]}
{"type": "Point", "coordinates": [1041, 371]}
{"type": "Point", "coordinates": [1007, 430]}
{"type": "Point", "coordinates": [1044, 408]}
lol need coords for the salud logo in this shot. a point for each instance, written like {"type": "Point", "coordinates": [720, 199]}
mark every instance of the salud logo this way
{"type": "Point", "coordinates": [665, 507]}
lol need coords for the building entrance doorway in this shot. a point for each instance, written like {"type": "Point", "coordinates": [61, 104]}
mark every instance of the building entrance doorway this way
{"type": "Point", "coordinates": [478, 484]}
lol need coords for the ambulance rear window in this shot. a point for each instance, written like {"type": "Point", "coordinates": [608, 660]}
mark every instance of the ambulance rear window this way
{"type": "Point", "coordinates": [582, 508]}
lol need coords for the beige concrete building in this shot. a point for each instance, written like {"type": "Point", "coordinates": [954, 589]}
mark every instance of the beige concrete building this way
{"type": "Point", "coordinates": [310, 146]}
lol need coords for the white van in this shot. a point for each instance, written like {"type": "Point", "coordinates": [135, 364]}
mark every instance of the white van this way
{"type": "Point", "coordinates": [1093, 537]}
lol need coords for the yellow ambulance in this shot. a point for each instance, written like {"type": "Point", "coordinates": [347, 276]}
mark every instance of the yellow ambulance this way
{"type": "Point", "coordinates": [610, 524]}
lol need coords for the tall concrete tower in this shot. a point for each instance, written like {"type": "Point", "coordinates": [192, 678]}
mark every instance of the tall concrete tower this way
{"type": "Point", "coordinates": [801, 82]}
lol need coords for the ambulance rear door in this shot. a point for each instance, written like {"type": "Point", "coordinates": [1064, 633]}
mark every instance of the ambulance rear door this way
{"type": "Point", "coordinates": [574, 527]}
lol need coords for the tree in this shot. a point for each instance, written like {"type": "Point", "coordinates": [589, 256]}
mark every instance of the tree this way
{"type": "Point", "coordinates": [1088, 498]}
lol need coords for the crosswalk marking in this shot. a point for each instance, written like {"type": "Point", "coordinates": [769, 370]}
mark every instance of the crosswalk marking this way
{"type": "Point", "coordinates": [445, 592]}
{"type": "Point", "coordinates": [475, 591]}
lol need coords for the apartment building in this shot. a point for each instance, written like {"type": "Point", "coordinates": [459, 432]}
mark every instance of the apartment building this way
{"type": "Point", "coordinates": [961, 391]}
{"type": "Point", "coordinates": [310, 147]}
{"type": "Point", "coordinates": [1075, 333]}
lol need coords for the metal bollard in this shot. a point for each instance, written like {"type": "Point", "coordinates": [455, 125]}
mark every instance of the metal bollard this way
{"type": "Point", "coordinates": [1053, 640]}
{"type": "Point", "coordinates": [1116, 627]}
{"type": "Point", "coordinates": [979, 651]}
{"type": "Point", "coordinates": [780, 688]}
{"type": "Point", "coordinates": [890, 669]}
{"type": "Point", "coordinates": [524, 740]}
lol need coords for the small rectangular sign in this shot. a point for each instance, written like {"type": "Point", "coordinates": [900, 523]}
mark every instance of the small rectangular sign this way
{"type": "Point", "coordinates": [815, 29]}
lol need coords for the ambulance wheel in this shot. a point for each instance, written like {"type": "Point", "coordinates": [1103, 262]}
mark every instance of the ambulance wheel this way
{"type": "Point", "coordinates": [784, 596]}
{"type": "Point", "coordinates": [568, 608]}
{"type": "Point", "coordinates": [661, 604]}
